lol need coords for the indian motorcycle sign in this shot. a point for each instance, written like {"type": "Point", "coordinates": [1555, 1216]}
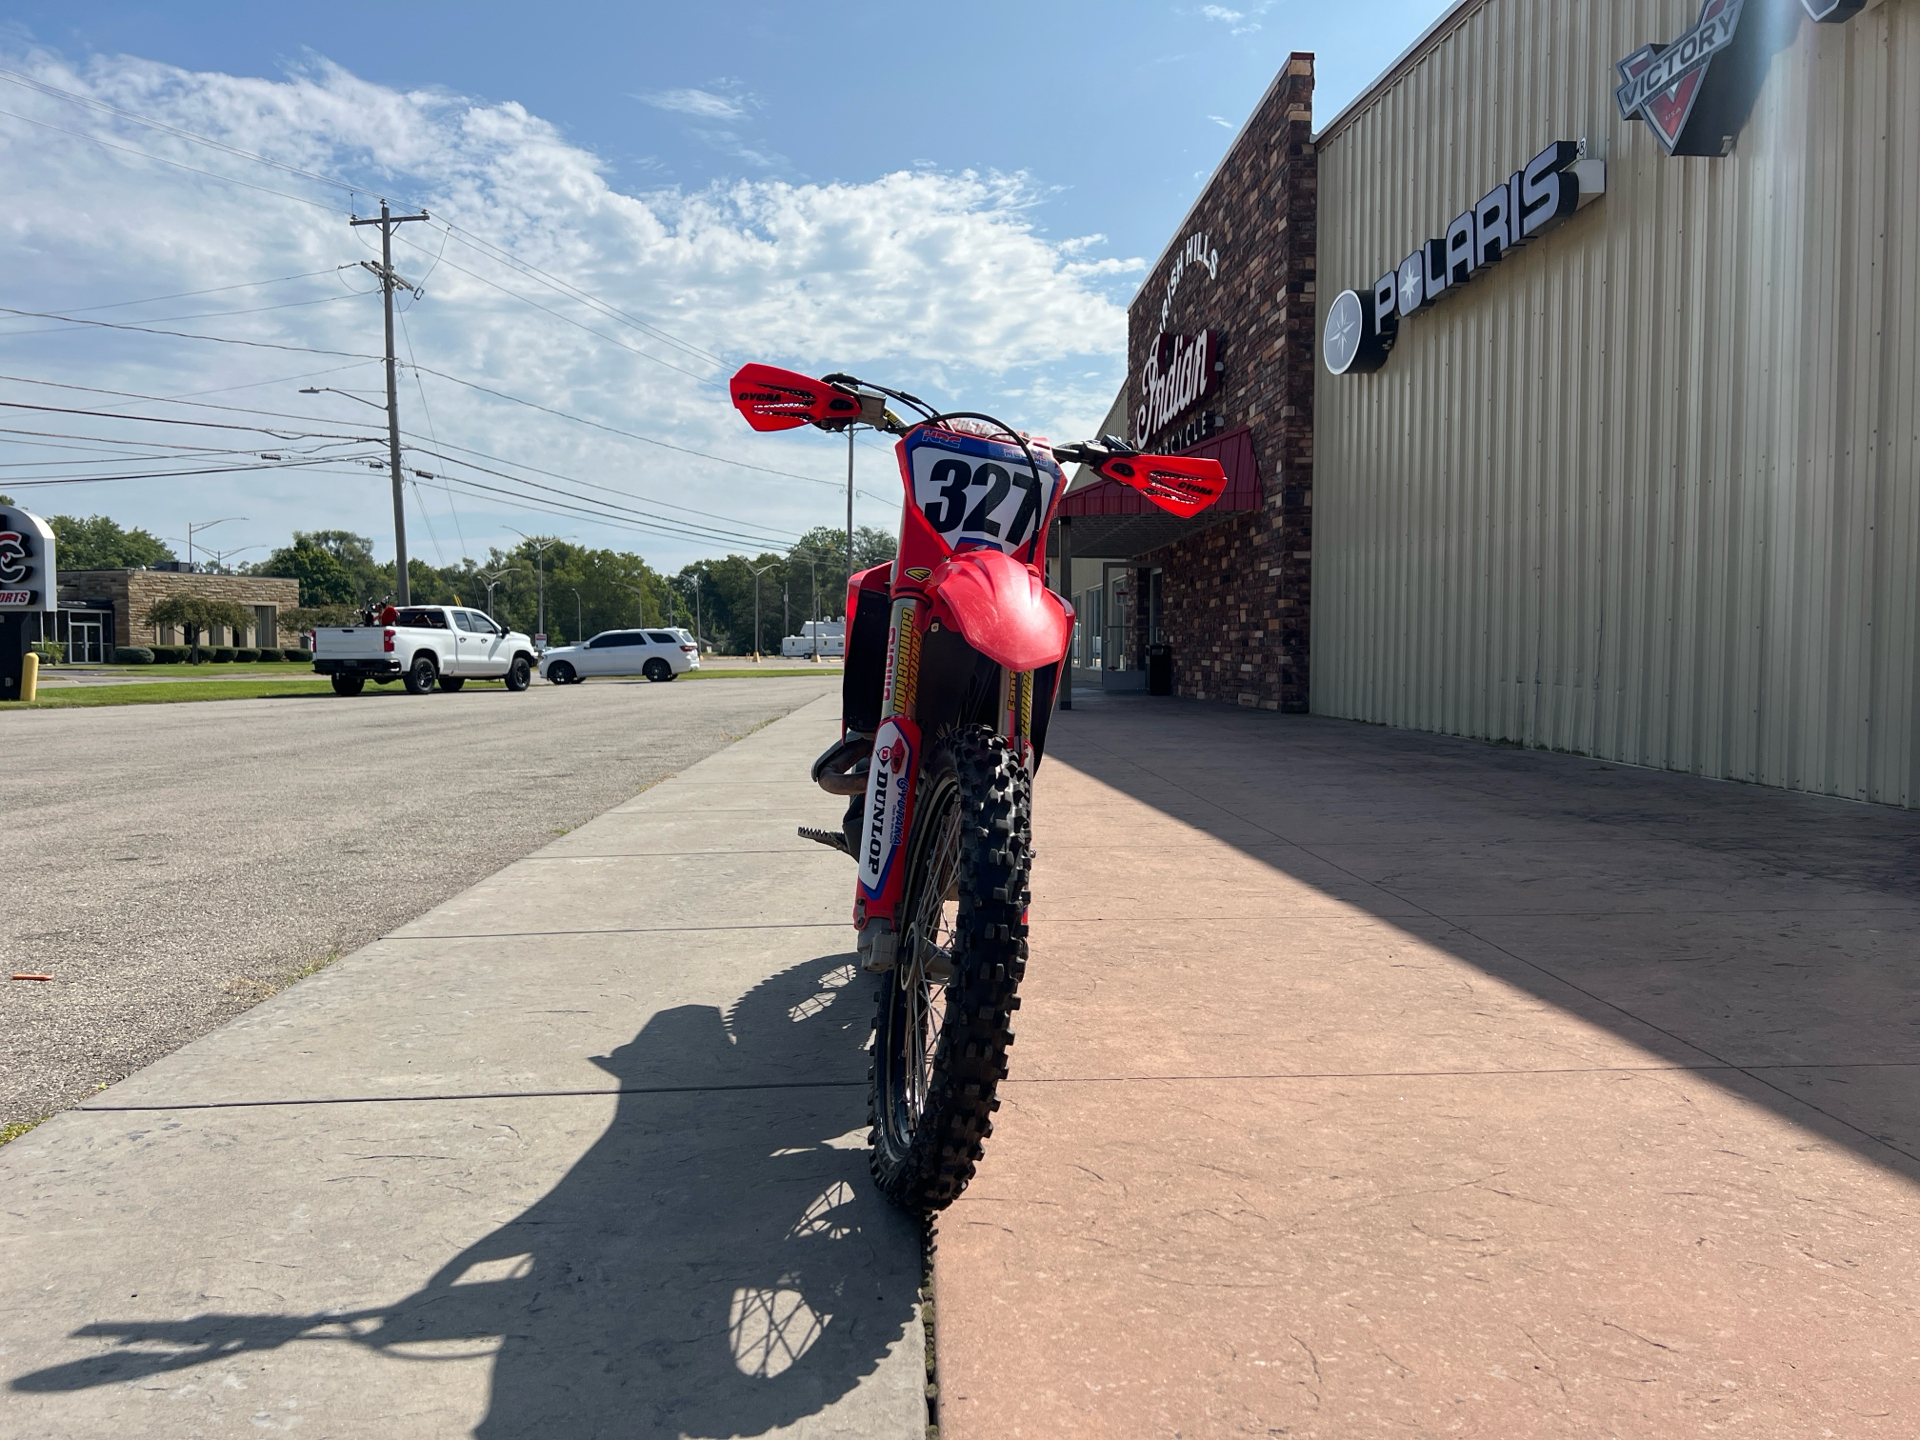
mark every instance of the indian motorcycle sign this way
{"type": "Point", "coordinates": [1179, 373]}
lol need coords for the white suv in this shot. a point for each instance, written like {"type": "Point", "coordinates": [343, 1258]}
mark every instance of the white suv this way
{"type": "Point", "coordinates": [656, 654]}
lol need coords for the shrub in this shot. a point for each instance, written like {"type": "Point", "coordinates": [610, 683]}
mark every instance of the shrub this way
{"type": "Point", "coordinates": [133, 655]}
{"type": "Point", "coordinates": [245, 654]}
{"type": "Point", "coordinates": [169, 654]}
{"type": "Point", "coordinates": [293, 654]}
{"type": "Point", "coordinates": [221, 654]}
{"type": "Point", "coordinates": [273, 655]}
{"type": "Point", "coordinates": [51, 652]}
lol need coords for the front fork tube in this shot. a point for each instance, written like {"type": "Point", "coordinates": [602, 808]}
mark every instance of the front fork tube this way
{"type": "Point", "coordinates": [888, 817]}
{"type": "Point", "coordinates": [894, 772]}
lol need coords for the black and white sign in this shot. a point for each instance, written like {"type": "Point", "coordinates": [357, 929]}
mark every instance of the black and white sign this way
{"type": "Point", "coordinates": [979, 492]}
{"type": "Point", "coordinates": [1362, 326]}
{"type": "Point", "coordinates": [26, 562]}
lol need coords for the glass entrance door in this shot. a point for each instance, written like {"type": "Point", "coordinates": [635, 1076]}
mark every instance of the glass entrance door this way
{"type": "Point", "coordinates": [86, 641]}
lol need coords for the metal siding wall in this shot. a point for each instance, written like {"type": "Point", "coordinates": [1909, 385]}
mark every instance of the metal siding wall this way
{"type": "Point", "coordinates": [1648, 490]}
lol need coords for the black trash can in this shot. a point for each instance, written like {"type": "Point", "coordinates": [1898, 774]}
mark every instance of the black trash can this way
{"type": "Point", "coordinates": [1159, 669]}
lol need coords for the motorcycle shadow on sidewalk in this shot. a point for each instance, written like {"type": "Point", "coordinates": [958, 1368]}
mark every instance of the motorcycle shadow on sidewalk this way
{"type": "Point", "coordinates": [717, 1264]}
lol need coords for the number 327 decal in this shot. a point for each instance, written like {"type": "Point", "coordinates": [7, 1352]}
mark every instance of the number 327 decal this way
{"type": "Point", "coordinates": [974, 491]}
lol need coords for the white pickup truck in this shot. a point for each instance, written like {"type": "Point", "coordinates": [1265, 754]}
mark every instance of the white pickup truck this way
{"type": "Point", "coordinates": [424, 645]}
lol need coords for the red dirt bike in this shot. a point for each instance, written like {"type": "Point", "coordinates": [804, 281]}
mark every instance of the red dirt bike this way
{"type": "Point", "coordinates": [953, 654]}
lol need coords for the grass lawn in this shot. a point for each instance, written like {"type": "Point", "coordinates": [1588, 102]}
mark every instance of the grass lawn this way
{"type": "Point", "coordinates": [206, 670]}
{"type": "Point", "coordinates": [298, 685]}
{"type": "Point", "coordinates": [169, 691]}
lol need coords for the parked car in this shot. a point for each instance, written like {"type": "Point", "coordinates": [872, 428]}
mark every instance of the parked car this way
{"type": "Point", "coordinates": [656, 654]}
{"type": "Point", "coordinates": [424, 645]}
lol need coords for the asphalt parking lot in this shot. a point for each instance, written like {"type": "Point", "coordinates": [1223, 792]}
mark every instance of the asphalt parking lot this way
{"type": "Point", "coordinates": [172, 865]}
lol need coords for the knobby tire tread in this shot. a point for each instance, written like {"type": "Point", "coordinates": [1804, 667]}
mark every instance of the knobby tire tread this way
{"type": "Point", "coordinates": [989, 960]}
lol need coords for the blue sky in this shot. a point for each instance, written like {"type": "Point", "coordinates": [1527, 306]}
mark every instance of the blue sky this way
{"type": "Point", "coordinates": [960, 205]}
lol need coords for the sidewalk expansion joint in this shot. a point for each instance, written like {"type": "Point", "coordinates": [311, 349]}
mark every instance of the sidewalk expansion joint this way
{"type": "Point", "coordinates": [474, 1095]}
{"type": "Point", "coordinates": [636, 930]}
{"type": "Point", "coordinates": [1467, 1074]}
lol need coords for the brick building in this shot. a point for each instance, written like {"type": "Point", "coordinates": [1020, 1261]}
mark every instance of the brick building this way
{"type": "Point", "coordinates": [1220, 362]}
{"type": "Point", "coordinates": [100, 609]}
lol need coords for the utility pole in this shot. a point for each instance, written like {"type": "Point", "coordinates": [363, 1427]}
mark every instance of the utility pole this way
{"type": "Point", "coordinates": [579, 625]}
{"type": "Point", "coordinates": [388, 280]}
{"type": "Point", "coordinates": [696, 611]}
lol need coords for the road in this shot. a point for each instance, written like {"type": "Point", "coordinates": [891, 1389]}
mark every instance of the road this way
{"type": "Point", "coordinates": [172, 865]}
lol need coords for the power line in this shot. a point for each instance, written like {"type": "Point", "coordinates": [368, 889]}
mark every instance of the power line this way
{"type": "Point", "coordinates": [184, 474]}
{"type": "Point", "coordinates": [184, 335]}
{"type": "Point", "coordinates": [274, 430]}
{"type": "Point", "coordinates": [629, 434]}
{"type": "Point", "coordinates": [216, 290]}
{"type": "Point", "coordinates": [688, 529]}
{"type": "Point", "coordinates": [202, 315]}
{"type": "Point", "coordinates": [569, 320]}
{"type": "Point", "coordinates": [87, 100]}
{"type": "Point", "coordinates": [176, 164]}
{"type": "Point", "coordinates": [466, 237]}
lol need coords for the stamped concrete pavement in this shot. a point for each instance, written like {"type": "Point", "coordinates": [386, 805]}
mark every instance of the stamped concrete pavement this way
{"type": "Point", "coordinates": [1371, 1083]}
{"type": "Point", "coordinates": [578, 1153]}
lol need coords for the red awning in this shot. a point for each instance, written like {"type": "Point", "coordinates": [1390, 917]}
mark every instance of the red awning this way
{"type": "Point", "coordinates": [1111, 520]}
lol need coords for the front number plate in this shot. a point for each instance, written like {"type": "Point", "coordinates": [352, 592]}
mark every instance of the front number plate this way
{"type": "Point", "coordinates": [979, 492]}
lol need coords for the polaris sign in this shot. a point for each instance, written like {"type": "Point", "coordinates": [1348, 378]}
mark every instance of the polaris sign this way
{"type": "Point", "coordinates": [1361, 327]}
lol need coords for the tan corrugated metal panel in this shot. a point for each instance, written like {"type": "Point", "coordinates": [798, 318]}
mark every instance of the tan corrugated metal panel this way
{"type": "Point", "coordinates": [1648, 490]}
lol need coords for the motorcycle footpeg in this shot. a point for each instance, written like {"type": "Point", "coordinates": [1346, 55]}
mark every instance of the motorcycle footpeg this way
{"type": "Point", "coordinates": [842, 766]}
{"type": "Point", "coordinates": [832, 839]}
{"type": "Point", "coordinates": [879, 950]}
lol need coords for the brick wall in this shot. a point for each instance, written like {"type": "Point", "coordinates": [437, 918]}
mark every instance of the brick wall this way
{"type": "Point", "coordinates": [135, 592]}
{"type": "Point", "coordinates": [1236, 597]}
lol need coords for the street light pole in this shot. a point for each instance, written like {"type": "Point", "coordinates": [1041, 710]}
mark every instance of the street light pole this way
{"type": "Point", "coordinates": [492, 579]}
{"type": "Point", "coordinates": [756, 608]}
{"type": "Point", "coordinates": [540, 548]}
{"type": "Point", "coordinates": [195, 526]}
{"type": "Point", "coordinates": [696, 612]}
{"type": "Point", "coordinates": [579, 625]}
{"type": "Point", "coordinates": [643, 602]}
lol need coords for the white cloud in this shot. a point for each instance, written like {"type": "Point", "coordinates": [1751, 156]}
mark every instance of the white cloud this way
{"type": "Point", "coordinates": [702, 103]}
{"type": "Point", "coordinates": [941, 283]}
{"type": "Point", "coordinates": [1221, 121]}
{"type": "Point", "coordinates": [1239, 22]}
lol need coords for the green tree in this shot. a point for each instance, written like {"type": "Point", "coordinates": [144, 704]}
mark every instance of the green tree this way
{"type": "Point", "coordinates": [99, 543]}
{"type": "Point", "coordinates": [194, 613]}
{"type": "Point", "coordinates": [323, 579]}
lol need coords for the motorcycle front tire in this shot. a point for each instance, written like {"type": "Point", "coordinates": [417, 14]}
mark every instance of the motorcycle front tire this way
{"type": "Point", "coordinates": [940, 1045]}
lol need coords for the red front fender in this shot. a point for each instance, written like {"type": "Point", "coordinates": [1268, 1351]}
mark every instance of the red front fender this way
{"type": "Point", "coordinates": [1000, 605]}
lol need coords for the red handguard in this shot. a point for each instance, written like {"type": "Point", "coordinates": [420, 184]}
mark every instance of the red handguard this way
{"type": "Point", "coordinates": [1179, 484]}
{"type": "Point", "coordinates": [776, 399]}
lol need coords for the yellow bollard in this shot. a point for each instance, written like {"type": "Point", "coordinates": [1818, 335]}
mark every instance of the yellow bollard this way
{"type": "Point", "coordinates": [29, 675]}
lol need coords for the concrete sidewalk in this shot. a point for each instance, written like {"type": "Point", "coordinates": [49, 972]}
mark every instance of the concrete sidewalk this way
{"type": "Point", "coordinates": [589, 1138]}
{"type": "Point", "coordinates": [1371, 1083]}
